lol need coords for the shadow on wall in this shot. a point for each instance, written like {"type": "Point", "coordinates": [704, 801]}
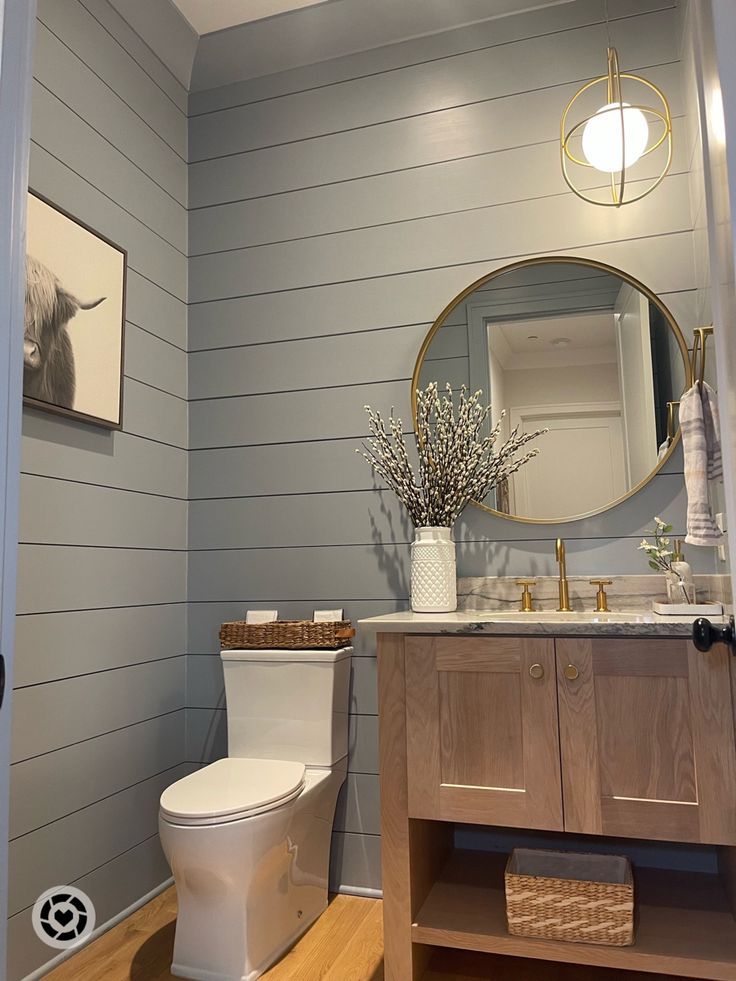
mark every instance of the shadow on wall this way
{"type": "Point", "coordinates": [391, 557]}
{"type": "Point", "coordinates": [39, 425]}
{"type": "Point", "coordinates": [207, 742]}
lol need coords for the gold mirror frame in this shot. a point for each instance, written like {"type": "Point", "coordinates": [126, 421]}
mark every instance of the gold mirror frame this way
{"type": "Point", "coordinates": [592, 264]}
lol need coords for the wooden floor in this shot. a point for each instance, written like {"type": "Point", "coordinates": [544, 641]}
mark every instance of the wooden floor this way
{"type": "Point", "coordinates": [345, 944]}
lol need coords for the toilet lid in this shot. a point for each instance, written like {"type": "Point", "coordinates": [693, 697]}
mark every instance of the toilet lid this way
{"type": "Point", "coordinates": [232, 788]}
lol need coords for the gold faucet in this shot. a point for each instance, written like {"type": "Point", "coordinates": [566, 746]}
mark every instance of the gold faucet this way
{"type": "Point", "coordinates": [564, 606]}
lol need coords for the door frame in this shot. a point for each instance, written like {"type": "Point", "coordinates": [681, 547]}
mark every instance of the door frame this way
{"type": "Point", "coordinates": [17, 35]}
{"type": "Point", "coordinates": [714, 23]}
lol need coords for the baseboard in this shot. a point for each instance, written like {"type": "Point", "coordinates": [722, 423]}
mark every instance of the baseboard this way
{"type": "Point", "coordinates": [41, 972]}
{"type": "Point", "coordinates": [365, 892]}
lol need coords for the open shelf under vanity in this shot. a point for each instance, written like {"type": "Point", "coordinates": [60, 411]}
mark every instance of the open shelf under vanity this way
{"type": "Point", "coordinates": [684, 924]}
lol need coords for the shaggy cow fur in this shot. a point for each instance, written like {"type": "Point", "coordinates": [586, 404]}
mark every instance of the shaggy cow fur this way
{"type": "Point", "coordinates": [48, 358]}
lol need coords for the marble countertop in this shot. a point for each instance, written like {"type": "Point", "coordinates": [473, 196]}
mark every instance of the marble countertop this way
{"type": "Point", "coordinates": [540, 623]}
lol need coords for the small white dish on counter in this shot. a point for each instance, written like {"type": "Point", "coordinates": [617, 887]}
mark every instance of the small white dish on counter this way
{"type": "Point", "coordinates": [688, 609]}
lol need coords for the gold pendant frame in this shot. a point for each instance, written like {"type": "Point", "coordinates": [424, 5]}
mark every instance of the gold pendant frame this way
{"type": "Point", "coordinates": [659, 115]}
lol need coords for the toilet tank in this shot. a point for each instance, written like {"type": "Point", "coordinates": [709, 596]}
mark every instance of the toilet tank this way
{"type": "Point", "coordinates": [288, 705]}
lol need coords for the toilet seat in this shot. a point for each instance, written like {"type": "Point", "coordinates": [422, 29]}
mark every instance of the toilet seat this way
{"type": "Point", "coordinates": [232, 789]}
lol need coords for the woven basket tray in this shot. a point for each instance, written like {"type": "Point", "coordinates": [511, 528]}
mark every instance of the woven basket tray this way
{"type": "Point", "coordinates": [567, 896]}
{"type": "Point", "coordinates": [286, 635]}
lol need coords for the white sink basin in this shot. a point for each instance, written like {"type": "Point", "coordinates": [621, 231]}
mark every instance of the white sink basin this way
{"type": "Point", "coordinates": [540, 616]}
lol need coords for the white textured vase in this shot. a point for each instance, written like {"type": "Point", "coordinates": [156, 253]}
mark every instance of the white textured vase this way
{"type": "Point", "coordinates": [433, 571]}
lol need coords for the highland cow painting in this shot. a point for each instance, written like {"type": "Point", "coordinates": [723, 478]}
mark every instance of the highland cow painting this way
{"type": "Point", "coordinates": [74, 317]}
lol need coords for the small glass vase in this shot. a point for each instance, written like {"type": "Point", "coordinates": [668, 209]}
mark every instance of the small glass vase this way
{"type": "Point", "coordinates": [678, 590]}
{"type": "Point", "coordinates": [433, 571]}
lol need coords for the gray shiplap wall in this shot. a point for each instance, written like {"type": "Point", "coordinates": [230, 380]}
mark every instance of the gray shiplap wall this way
{"type": "Point", "coordinates": [99, 704]}
{"type": "Point", "coordinates": [335, 210]}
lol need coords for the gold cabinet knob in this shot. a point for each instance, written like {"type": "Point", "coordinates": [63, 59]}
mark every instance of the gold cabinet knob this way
{"type": "Point", "coordinates": [601, 604]}
{"type": "Point", "coordinates": [571, 672]}
{"type": "Point", "coordinates": [527, 605]}
{"type": "Point", "coordinates": [536, 671]}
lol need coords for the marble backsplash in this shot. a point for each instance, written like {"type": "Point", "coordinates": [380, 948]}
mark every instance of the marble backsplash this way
{"type": "Point", "coordinates": [626, 593]}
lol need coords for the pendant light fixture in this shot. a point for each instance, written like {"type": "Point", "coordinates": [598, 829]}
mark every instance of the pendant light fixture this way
{"type": "Point", "coordinates": [611, 139]}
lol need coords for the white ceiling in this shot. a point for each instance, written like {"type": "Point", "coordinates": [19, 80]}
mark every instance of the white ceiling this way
{"type": "Point", "coordinates": [207, 16]}
{"type": "Point", "coordinates": [305, 35]}
{"type": "Point", "coordinates": [540, 343]}
{"type": "Point", "coordinates": [233, 40]}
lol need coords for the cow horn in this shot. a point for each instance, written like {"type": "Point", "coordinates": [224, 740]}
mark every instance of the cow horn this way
{"type": "Point", "coordinates": [92, 304]}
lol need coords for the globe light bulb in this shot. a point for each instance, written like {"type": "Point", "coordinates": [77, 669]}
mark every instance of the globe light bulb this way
{"type": "Point", "coordinates": [602, 137]}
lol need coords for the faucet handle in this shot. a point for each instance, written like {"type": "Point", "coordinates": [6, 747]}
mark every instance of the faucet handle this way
{"type": "Point", "coordinates": [601, 598]}
{"type": "Point", "coordinates": [527, 605]}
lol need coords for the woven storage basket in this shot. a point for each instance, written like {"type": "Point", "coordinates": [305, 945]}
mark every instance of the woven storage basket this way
{"type": "Point", "coordinates": [568, 896]}
{"type": "Point", "coordinates": [286, 635]}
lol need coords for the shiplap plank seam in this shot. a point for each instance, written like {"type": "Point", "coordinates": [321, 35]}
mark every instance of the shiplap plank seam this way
{"type": "Point", "coordinates": [145, 52]}
{"type": "Point", "coordinates": [86, 674]}
{"type": "Point", "coordinates": [94, 609]}
{"type": "Point", "coordinates": [115, 93]}
{"type": "Point", "coordinates": [417, 270]}
{"type": "Point", "coordinates": [97, 868]}
{"type": "Point", "coordinates": [387, 173]}
{"type": "Point", "coordinates": [249, 83]}
{"type": "Point", "coordinates": [90, 547]}
{"type": "Point", "coordinates": [100, 735]}
{"type": "Point", "coordinates": [78, 810]}
{"type": "Point", "coordinates": [318, 337]}
{"type": "Point", "coordinates": [163, 391]}
{"type": "Point", "coordinates": [175, 81]}
{"type": "Point", "coordinates": [112, 487]}
{"type": "Point", "coordinates": [110, 143]}
{"type": "Point", "coordinates": [113, 201]}
{"type": "Point", "coordinates": [165, 340]}
{"type": "Point", "coordinates": [577, 80]}
{"type": "Point", "coordinates": [57, 122]}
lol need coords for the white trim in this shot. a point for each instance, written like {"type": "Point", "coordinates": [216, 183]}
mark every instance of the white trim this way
{"type": "Point", "coordinates": [565, 409]}
{"type": "Point", "coordinates": [712, 32]}
{"type": "Point", "coordinates": [479, 362]}
{"type": "Point", "coordinates": [16, 62]}
{"type": "Point", "coordinates": [41, 972]}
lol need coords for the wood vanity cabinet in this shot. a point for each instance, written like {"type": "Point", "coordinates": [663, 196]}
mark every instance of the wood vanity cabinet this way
{"type": "Point", "coordinates": [625, 737]}
{"type": "Point", "coordinates": [629, 737]}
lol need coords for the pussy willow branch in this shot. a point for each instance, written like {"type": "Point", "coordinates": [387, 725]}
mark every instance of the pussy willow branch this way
{"type": "Point", "coordinates": [456, 464]}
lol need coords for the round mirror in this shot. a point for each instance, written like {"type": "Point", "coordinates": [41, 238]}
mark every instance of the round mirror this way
{"type": "Point", "coordinates": [580, 349]}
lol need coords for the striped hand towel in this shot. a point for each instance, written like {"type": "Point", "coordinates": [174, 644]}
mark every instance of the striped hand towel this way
{"type": "Point", "coordinates": [702, 451]}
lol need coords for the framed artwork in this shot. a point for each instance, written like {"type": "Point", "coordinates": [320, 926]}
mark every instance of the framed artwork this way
{"type": "Point", "coordinates": [74, 317]}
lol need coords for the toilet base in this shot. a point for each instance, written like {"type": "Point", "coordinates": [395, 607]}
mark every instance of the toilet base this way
{"type": "Point", "coordinates": [249, 889]}
{"type": "Point", "coordinates": [196, 974]}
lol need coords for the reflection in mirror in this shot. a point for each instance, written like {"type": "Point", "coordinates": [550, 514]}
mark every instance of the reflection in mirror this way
{"type": "Point", "coordinates": [578, 349]}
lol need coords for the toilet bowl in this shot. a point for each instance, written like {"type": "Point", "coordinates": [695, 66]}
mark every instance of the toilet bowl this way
{"type": "Point", "coordinates": [248, 837]}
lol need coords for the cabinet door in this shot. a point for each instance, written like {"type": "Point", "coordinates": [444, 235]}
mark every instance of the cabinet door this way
{"type": "Point", "coordinates": [647, 738]}
{"type": "Point", "coordinates": [482, 731]}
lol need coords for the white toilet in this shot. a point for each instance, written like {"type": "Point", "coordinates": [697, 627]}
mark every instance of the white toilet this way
{"type": "Point", "coordinates": [248, 837]}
